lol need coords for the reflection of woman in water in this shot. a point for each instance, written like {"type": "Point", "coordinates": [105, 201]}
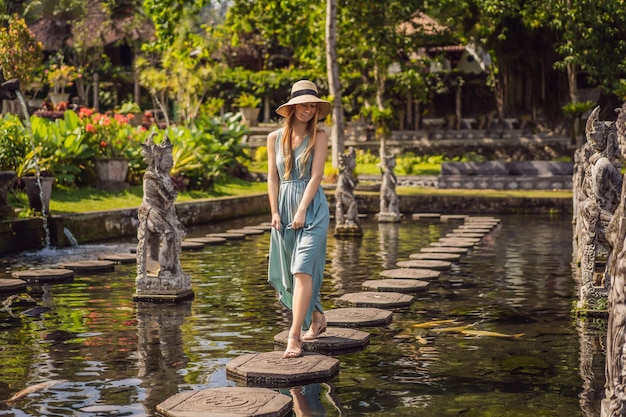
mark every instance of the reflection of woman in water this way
{"type": "Point", "coordinates": [306, 401]}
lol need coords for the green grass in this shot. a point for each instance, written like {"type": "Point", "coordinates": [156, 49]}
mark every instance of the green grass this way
{"type": "Point", "coordinates": [81, 200]}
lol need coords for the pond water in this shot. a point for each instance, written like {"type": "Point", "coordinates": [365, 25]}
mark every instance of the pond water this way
{"type": "Point", "coordinates": [113, 357]}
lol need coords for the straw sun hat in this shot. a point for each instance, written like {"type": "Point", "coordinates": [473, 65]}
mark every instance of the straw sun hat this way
{"type": "Point", "coordinates": [305, 91]}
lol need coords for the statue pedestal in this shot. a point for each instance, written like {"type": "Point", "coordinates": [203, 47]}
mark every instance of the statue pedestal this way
{"type": "Point", "coordinates": [348, 230]}
{"type": "Point", "coordinates": [163, 288]}
{"type": "Point", "coordinates": [389, 217]}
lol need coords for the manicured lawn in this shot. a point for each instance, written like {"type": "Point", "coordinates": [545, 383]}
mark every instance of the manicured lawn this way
{"type": "Point", "coordinates": [80, 200]}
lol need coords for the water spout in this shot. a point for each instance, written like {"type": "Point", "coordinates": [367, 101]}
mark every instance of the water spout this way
{"type": "Point", "coordinates": [70, 237]}
{"type": "Point", "coordinates": [44, 212]}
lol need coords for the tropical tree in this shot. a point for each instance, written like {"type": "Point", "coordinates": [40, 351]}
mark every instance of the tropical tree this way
{"type": "Point", "coordinates": [20, 54]}
{"type": "Point", "coordinates": [334, 83]}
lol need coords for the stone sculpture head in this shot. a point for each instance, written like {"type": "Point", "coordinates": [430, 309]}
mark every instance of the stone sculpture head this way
{"type": "Point", "coordinates": [599, 133]}
{"type": "Point", "coordinates": [158, 156]}
{"type": "Point", "coordinates": [620, 127]}
{"type": "Point", "coordinates": [347, 161]}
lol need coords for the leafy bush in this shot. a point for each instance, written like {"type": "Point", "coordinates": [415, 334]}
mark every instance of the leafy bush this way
{"type": "Point", "coordinates": [14, 142]}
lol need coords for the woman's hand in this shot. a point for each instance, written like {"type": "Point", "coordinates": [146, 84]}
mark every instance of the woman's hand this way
{"type": "Point", "coordinates": [299, 219]}
{"type": "Point", "coordinates": [276, 221]}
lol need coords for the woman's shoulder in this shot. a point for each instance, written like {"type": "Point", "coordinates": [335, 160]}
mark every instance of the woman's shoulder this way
{"type": "Point", "coordinates": [274, 134]}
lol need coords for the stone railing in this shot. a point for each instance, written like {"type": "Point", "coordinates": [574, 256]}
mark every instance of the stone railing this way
{"type": "Point", "coordinates": [521, 175]}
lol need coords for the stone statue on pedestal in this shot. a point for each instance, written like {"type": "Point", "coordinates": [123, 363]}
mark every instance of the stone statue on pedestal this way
{"type": "Point", "coordinates": [346, 209]}
{"type": "Point", "coordinates": [389, 201]}
{"type": "Point", "coordinates": [160, 233]}
{"type": "Point", "coordinates": [601, 193]}
{"type": "Point", "coordinates": [614, 402]}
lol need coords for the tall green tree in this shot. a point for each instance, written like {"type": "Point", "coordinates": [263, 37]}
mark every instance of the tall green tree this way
{"type": "Point", "coordinates": [370, 42]}
{"type": "Point", "coordinates": [168, 17]}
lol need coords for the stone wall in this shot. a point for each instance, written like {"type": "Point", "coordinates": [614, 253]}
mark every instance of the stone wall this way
{"type": "Point", "coordinates": [498, 175]}
{"type": "Point", "coordinates": [28, 234]}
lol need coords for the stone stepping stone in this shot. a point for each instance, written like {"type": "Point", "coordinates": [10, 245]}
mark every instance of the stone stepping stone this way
{"type": "Point", "coordinates": [207, 240]}
{"type": "Point", "coordinates": [191, 246]}
{"type": "Point", "coordinates": [489, 219]}
{"type": "Point", "coordinates": [452, 217]}
{"type": "Point", "coordinates": [410, 273]}
{"type": "Point", "coordinates": [395, 285]}
{"type": "Point", "coordinates": [444, 249]}
{"type": "Point", "coordinates": [8, 285]}
{"type": "Point", "coordinates": [434, 264]}
{"type": "Point", "coordinates": [270, 369]}
{"type": "Point", "coordinates": [452, 257]}
{"type": "Point", "coordinates": [334, 341]}
{"type": "Point", "coordinates": [377, 299]}
{"type": "Point", "coordinates": [265, 228]}
{"type": "Point", "coordinates": [119, 258]}
{"type": "Point", "coordinates": [45, 275]}
{"type": "Point", "coordinates": [89, 267]}
{"type": "Point", "coordinates": [465, 239]}
{"type": "Point", "coordinates": [246, 231]}
{"type": "Point", "coordinates": [358, 317]}
{"type": "Point", "coordinates": [228, 236]}
{"type": "Point", "coordinates": [227, 401]}
{"type": "Point", "coordinates": [426, 216]}
{"type": "Point", "coordinates": [454, 243]}
{"type": "Point", "coordinates": [457, 235]}
{"type": "Point", "coordinates": [475, 229]}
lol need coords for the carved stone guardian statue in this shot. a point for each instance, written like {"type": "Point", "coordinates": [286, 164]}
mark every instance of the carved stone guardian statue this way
{"type": "Point", "coordinates": [602, 189]}
{"type": "Point", "coordinates": [346, 208]}
{"type": "Point", "coordinates": [389, 201]}
{"type": "Point", "coordinates": [614, 403]}
{"type": "Point", "coordinates": [160, 233]}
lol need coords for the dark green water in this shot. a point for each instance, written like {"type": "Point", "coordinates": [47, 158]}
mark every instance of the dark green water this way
{"type": "Point", "coordinates": [117, 359]}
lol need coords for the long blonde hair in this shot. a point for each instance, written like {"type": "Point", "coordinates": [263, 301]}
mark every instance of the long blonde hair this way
{"type": "Point", "coordinates": [285, 141]}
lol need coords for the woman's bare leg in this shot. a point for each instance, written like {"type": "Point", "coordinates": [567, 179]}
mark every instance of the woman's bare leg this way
{"type": "Point", "coordinates": [302, 293]}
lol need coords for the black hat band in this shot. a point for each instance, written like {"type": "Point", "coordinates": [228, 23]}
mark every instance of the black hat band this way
{"type": "Point", "coordinates": [304, 92]}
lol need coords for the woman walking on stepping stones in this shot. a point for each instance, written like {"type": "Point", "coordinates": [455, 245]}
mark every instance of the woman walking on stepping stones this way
{"type": "Point", "coordinates": [300, 216]}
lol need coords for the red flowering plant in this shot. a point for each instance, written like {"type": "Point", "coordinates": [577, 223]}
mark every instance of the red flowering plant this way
{"type": "Point", "coordinates": [110, 135]}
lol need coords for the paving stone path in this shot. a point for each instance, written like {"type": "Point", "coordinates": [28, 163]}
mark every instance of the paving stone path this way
{"type": "Point", "coordinates": [259, 372]}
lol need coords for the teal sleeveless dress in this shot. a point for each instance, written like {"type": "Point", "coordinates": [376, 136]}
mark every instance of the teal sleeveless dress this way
{"type": "Point", "coordinates": [302, 250]}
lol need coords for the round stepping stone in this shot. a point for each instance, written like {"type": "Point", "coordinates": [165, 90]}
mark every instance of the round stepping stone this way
{"type": "Point", "coordinates": [452, 217]}
{"type": "Point", "coordinates": [358, 317]}
{"type": "Point", "coordinates": [397, 285]}
{"type": "Point", "coordinates": [227, 401]}
{"type": "Point", "coordinates": [270, 369]}
{"type": "Point", "coordinates": [475, 229]}
{"type": "Point", "coordinates": [454, 243]}
{"type": "Point", "coordinates": [335, 340]}
{"type": "Point", "coordinates": [89, 266]}
{"type": "Point", "coordinates": [425, 264]}
{"type": "Point", "coordinates": [436, 256]}
{"type": "Point", "coordinates": [191, 246]}
{"type": "Point", "coordinates": [425, 216]}
{"type": "Point", "coordinates": [410, 273]}
{"type": "Point", "coordinates": [45, 275]}
{"type": "Point", "coordinates": [228, 236]}
{"type": "Point", "coordinates": [444, 249]}
{"type": "Point", "coordinates": [8, 285]}
{"type": "Point", "coordinates": [471, 219]}
{"type": "Point", "coordinates": [206, 240]}
{"type": "Point", "coordinates": [119, 258]}
{"type": "Point", "coordinates": [377, 299]}
{"type": "Point", "coordinates": [265, 228]}
{"type": "Point", "coordinates": [246, 231]}
{"type": "Point", "coordinates": [456, 235]}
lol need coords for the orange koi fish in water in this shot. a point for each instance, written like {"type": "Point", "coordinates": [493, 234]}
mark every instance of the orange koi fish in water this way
{"type": "Point", "coordinates": [434, 323]}
{"type": "Point", "coordinates": [491, 334]}
{"type": "Point", "coordinates": [33, 389]}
